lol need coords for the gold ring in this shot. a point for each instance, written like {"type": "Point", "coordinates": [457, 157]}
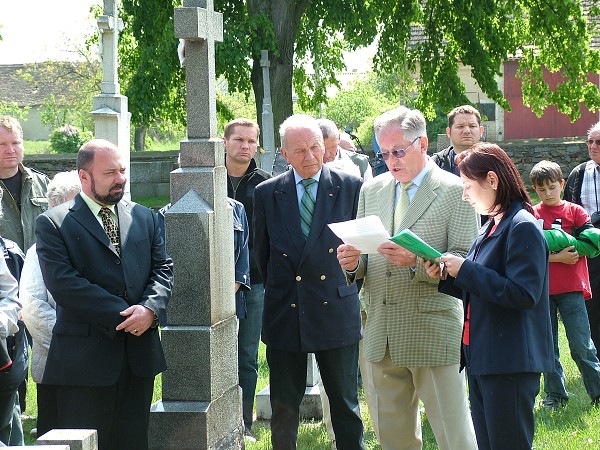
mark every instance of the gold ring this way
{"type": "Point", "coordinates": [135, 330]}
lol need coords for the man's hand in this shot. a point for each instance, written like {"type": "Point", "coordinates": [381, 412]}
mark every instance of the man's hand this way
{"type": "Point", "coordinates": [348, 256]}
{"type": "Point", "coordinates": [396, 254]}
{"type": "Point", "coordinates": [567, 255]}
{"type": "Point", "coordinates": [139, 319]}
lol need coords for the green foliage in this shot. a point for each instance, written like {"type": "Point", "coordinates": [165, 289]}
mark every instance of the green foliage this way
{"type": "Point", "coordinates": [13, 109]}
{"type": "Point", "coordinates": [231, 106]}
{"type": "Point", "coordinates": [68, 139]}
{"type": "Point", "coordinates": [148, 64]}
{"type": "Point", "coordinates": [78, 82]}
{"type": "Point", "coordinates": [479, 34]}
{"type": "Point", "coordinates": [563, 46]}
{"type": "Point", "coordinates": [358, 105]}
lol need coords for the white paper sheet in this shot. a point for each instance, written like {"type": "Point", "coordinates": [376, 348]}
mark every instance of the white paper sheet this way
{"type": "Point", "coordinates": [366, 233]}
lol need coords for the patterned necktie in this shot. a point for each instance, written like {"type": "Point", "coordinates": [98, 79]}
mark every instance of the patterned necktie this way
{"type": "Point", "coordinates": [307, 206]}
{"type": "Point", "coordinates": [111, 228]}
{"type": "Point", "coordinates": [402, 204]}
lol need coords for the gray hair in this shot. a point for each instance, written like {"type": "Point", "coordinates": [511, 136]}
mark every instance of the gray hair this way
{"type": "Point", "coordinates": [63, 187]}
{"type": "Point", "coordinates": [298, 121]}
{"type": "Point", "coordinates": [595, 127]}
{"type": "Point", "coordinates": [328, 128]}
{"type": "Point", "coordinates": [410, 121]}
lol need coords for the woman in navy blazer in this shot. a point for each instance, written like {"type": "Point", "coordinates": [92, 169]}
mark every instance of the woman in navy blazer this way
{"type": "Point", "coordinates": [503, 281]}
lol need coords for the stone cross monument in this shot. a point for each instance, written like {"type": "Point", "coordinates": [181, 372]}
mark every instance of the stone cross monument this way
{"type": "Point", "coordinates": [268, 131]}
{"type": "Point", "coordinates": [201, 405]}
{"type": "Point", "coordinates": [110, 112]}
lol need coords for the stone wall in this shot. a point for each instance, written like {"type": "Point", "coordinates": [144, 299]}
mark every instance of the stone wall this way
{"type": "Point", "coordinates": [567, 152]}
{"type": "Point", "coordinates": [150, 170]}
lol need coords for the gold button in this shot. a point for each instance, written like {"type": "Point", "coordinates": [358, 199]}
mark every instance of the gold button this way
{"type": "Point", "coordinates": [298, 278]}
{"type": "Point", "coordinates": [330, 250]}
{"type": "Point", "coordinates": [293, 305]}
{"type": "Point", "coordinates": [323, 277]}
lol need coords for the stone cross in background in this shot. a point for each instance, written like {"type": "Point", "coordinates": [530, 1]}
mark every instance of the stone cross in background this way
{"type": "Point", "coordinates": [268, 129]}
{"type": "Point", "coordinates": [111, 116]}
{"type": "Point", "coordinates": [201, 404]}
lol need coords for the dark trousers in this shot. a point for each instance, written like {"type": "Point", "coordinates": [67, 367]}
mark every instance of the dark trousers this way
{"type": "Point", "coordinates": [593, 304]}
{"type": "Point", "coordinates": [287, 376]}
{"type": "Point", "coordinates": [47, 418]}
{"type": "Point", "coordinates": [502, 410]}
{"type": "Point", "coordinates": [120, 412]}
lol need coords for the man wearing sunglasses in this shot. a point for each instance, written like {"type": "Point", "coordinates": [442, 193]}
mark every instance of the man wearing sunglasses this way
{"type": "Point", "coordinates": [583, 188]}
{"type": "Point", "coordinates": [413, 333]}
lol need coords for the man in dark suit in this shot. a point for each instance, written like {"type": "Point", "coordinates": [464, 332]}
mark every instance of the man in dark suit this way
{"type": "Point", "coordinates": [104, 261]}
{"type": "Point", "coordinates": [309, 308]}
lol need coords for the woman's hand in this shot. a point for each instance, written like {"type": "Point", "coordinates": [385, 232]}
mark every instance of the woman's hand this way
{"type": "Point", "coordinates": [452, 264]}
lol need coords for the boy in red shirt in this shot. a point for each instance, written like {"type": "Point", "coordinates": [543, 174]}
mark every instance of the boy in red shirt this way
{"type": "Point", "coordinates": [569, 287]}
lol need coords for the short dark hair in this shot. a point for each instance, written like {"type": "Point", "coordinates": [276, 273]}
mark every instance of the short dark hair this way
{"type": "Point", "coordinates": [545, 172]}
{"type": "Point", "coordinates": [241, 122]}
{"type": "Point", "coordinates": [463, 109]}
{"type": "Point", "coordinates": [483, 157]}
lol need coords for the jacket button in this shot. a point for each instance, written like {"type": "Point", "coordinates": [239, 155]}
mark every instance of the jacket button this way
{"type": "Point", "coordinates": [324, 303]}
{"type": "Point", "coordinates": [118, 262]}
{"type": "Point", "coordinates": [385, 302]}
{"type": "Point", "coordinates": [298, 278]}
{"type": "Point", "coordinates": [293, 305]}
{"type": "Point", "coordinates": [330, 250]}
{"type": "Point", "coordinates": [323, 277]}
{"type": "Point", "coordinates": [285, 255]}
{"type": "Point", "coordinates": [388, 274]}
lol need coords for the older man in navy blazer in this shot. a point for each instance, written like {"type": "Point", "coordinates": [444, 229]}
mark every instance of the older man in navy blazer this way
{"type": "Point", "coordinates": [103, 260]}
{"type": "Point", "coordinates": [309, 307]}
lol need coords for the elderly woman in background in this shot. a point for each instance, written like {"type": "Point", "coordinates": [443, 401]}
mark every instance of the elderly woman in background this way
{"type": "Point", "coordinates": [503, 281]}
{"type": "Point", "coordinates": [39, 308]}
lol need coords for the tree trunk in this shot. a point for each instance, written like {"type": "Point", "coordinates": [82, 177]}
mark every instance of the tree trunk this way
{"type": "Point", "coordinates": [139, 141]}
{"type": "Point", "coordinates": [285, 15]}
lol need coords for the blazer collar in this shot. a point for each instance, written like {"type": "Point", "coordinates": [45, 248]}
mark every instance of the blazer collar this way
{"type": "Point", "coordinates": [285, 196]}
{"type": "Point", "coordinates": [82, 214]}
{"type": "Point", "coordinates": [418, 205]}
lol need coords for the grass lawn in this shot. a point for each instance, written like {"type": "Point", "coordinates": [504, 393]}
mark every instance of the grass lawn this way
{"type": "Point", "coordinates": [37, 147]}
{"type": "Point", "coordinates": [575, 427]}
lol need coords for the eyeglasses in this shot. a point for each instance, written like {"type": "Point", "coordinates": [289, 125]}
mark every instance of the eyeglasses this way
{"type": "Point", "coordinates": [398, 153]}
{"type": "Point", "coordinates": [591, 142]}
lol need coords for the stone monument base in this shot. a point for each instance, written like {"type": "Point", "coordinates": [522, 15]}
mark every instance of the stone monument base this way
{"type": "Point", "coordinates": [310, 408]}
{"type": "Point", "coordinates": [197, 425]}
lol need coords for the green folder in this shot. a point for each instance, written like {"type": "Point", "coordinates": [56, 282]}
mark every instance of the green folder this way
{"type": "Point", "coordinates": [415, 244]}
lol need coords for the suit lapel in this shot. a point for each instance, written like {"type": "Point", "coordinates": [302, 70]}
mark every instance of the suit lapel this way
{"type": "Point", "coordinates": [422, 199]}
{"type": "Point", "coordinates": [287, 201]}
{"type": "Point", "coordinates": [125, 221]}
{"type": "Point", "coordinates": [326, 196]}
{"type": "Point", "coordinates": [386, 196]}
{"type": "Point", "coordinates": [82, 214]}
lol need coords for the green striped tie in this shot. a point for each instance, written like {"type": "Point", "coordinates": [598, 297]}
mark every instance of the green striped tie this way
{"type": "Point", "coordinates": [307, 206]}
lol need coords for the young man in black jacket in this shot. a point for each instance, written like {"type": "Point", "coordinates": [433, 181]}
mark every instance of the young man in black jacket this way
{"type": "Point", "coordinates": [464, 129]}
{"type": "Point", "coordinates": [243, 175]}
